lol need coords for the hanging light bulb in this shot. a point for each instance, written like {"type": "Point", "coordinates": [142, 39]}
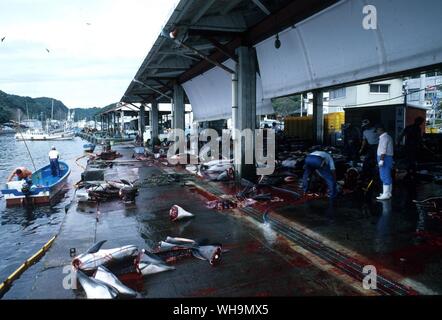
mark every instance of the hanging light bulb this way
{"type": "Point", "coordinates": [277, 42]}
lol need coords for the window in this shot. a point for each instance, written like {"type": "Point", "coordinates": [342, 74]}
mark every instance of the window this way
{"type": "Point", "coordinates": [337, 93]}
{"type": "Point", "coordinates": [379, 88]}
{"type": "Point", "coordinates": [430, 95]}
{"type": "Point", "coordinates": [413, 95]}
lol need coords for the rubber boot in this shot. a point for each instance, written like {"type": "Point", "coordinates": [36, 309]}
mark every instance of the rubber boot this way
{"type": "Point", "coordinates": [386, 194]}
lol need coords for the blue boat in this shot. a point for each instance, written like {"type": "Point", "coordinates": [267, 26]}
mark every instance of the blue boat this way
{"type": "Point", "coordinates": [89, 147]}
{"type": "Point", "coordinates": [44, 187]}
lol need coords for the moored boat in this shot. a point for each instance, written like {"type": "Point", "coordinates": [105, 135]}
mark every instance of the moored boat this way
{"type": "Point", "coordinates": [44, 187]}
{"type": "Point", "coordinates": [89, 147]}
{"type": "Point", "coordinates": [6, 130]}
{"type": "Point", "coordinates": [37, 135]}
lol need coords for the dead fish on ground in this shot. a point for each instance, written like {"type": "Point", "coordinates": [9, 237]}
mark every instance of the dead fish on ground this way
{"type": "Point", "coordinates": [103, 274]}
{"type": "Point", "coordinates": [149, 263]}
{"type": "Point", "coordinates": [178, 213]}
{"type": "Point", "coordinates": [96, 289]}
{"type": "Point", "coordinates": [176, 248]}
{"type": "Point", "coordinates": [95, 257]}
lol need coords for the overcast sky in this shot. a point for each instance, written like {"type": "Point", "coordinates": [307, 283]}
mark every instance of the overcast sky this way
{"type": "Point", "coordinates": [95, 47]}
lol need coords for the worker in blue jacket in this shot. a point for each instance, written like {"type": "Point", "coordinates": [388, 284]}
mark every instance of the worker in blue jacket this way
{"type": "Point", "coordinates": [322, 163]}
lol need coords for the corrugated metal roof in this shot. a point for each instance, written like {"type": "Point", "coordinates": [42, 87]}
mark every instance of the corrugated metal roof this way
{"type": "Point", "coordinates": [213, 27]}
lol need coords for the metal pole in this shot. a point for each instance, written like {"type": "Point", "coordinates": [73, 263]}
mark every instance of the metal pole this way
{"type": "Point", "coordinates": [203, 56]}
{"type": "Point", "coordinates": [234, 103]}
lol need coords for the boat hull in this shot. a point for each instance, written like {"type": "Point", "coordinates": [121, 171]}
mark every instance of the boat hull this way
{"type": "Point", "coordinates": [89, 147]}
{"type": "Point", "coordinates": [44, 189]}
{"type": "Point", "coordinates": [43, 137]}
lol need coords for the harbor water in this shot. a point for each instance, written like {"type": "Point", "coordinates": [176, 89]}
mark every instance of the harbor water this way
{"type": "Point", "coordinates": [23, 230]}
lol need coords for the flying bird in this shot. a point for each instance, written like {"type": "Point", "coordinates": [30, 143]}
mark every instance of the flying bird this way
{"type": "Point", "coordinates": [88, 23]}
{"type": "Point", "coordinates": [3, 39]}
{"type": "Point", "coordinates": [47, 49]}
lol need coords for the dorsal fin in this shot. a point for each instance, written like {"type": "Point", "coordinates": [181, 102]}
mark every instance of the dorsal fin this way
{"type": "Point", "coordinates": [96, 247]}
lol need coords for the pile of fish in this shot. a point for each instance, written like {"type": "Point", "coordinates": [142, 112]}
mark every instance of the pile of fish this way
{"type": "Point", "coordinates": [218, 170]}
{"type": "Point", "coordinates": [107, 190]}
{"type": "Point", "coordinates": [98, 270]}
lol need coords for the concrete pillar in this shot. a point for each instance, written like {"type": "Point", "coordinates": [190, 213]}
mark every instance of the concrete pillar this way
{"type": "Point", "coordinates": [141, 121]}
{"type": "Point", "coordinates": [114, 122]}
{"type": "Point", "coordinates": [318, 117]}
{"type": "Point", "coordinates": [178, 107]}
{"type": "Point", "coordinates": [154, 120]}
{"type": "Point", "coordinates": [122, 123]}
{"type": "Point", "coordinates": [246, 111]}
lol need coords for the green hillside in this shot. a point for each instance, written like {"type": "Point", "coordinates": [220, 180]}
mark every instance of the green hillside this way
{"type": "Point", "coordinates": [13, 107]}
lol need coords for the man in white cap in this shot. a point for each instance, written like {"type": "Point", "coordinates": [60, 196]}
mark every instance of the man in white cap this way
{"type": "Point", "coordinates": [54, 155]}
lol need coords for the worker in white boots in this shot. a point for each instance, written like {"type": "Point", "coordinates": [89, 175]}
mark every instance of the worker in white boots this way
{"type": "Point", "coordinates": [385, 162]}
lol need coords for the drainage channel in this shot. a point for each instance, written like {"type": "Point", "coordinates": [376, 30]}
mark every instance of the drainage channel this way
{"type": "Point", "coordinates": [342, 262]}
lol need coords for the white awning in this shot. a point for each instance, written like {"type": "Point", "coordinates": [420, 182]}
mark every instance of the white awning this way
{"type": "Point", "coordinates": [210, 95]}
{"type": "Point", "coordinates": [333, 48]}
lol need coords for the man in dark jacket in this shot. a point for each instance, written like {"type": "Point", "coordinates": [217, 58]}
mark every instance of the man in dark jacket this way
{"type": "Point", "coordinates": [413, 144]}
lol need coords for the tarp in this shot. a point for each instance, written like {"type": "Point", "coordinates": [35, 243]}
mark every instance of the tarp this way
{"type": "Point", "coordinates": [333, 47]}
{"type": "Point", "coordinates": [210, 95]}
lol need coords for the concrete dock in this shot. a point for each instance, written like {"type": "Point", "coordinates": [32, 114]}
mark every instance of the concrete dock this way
{"type": "Point", "coordinates": [259, 260]}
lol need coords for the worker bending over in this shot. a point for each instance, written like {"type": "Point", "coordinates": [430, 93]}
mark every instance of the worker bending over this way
{"type": "Point", "coordinates": [385, 162]}
{"type": "Point", "coordinates": [322, 163]}
{"type": "Point", "coordinates": [22, 174]}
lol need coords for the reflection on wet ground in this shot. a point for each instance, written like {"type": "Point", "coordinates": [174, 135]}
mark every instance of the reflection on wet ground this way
{"type": "Point", "coordinates": [393, 234]}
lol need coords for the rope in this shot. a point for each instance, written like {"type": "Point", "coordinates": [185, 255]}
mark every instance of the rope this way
{"type": "Point", "coordinates": [76, 161]}
{"type": "Point", "coordinates": [29, 152]}
{"type": "Point", "coordinates": [5, 285]}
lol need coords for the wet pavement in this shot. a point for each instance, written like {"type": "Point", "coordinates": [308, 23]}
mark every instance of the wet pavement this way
{"type": "Point", "coordinates": [258, 261]}
{"type": "Point", "coordinates": [383, 232]}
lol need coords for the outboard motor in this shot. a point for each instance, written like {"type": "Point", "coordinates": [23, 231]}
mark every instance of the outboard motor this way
{"type": "Point", "coordinates": [27, 187]}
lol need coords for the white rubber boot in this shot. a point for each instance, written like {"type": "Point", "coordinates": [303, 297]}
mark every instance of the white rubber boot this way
{"type": "Point", "coordinates": [386, 194]}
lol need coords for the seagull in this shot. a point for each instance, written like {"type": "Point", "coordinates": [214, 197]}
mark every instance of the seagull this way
{"type": "Point", "coordinates": [3, 39]}
{"type": "Point", "coordinates": [88, 23]}
{"type": "Point", "coordinates": [47, 49]}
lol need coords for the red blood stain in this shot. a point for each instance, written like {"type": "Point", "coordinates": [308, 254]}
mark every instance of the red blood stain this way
{"type": "Point", "coordinates": [253, 247]}
{"type": "Point", "coordinates": [299, 262]}
{"type": "Point", "coordinates": [133, 280]}
{"type": "Point", "coordinates": [412, 260]}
